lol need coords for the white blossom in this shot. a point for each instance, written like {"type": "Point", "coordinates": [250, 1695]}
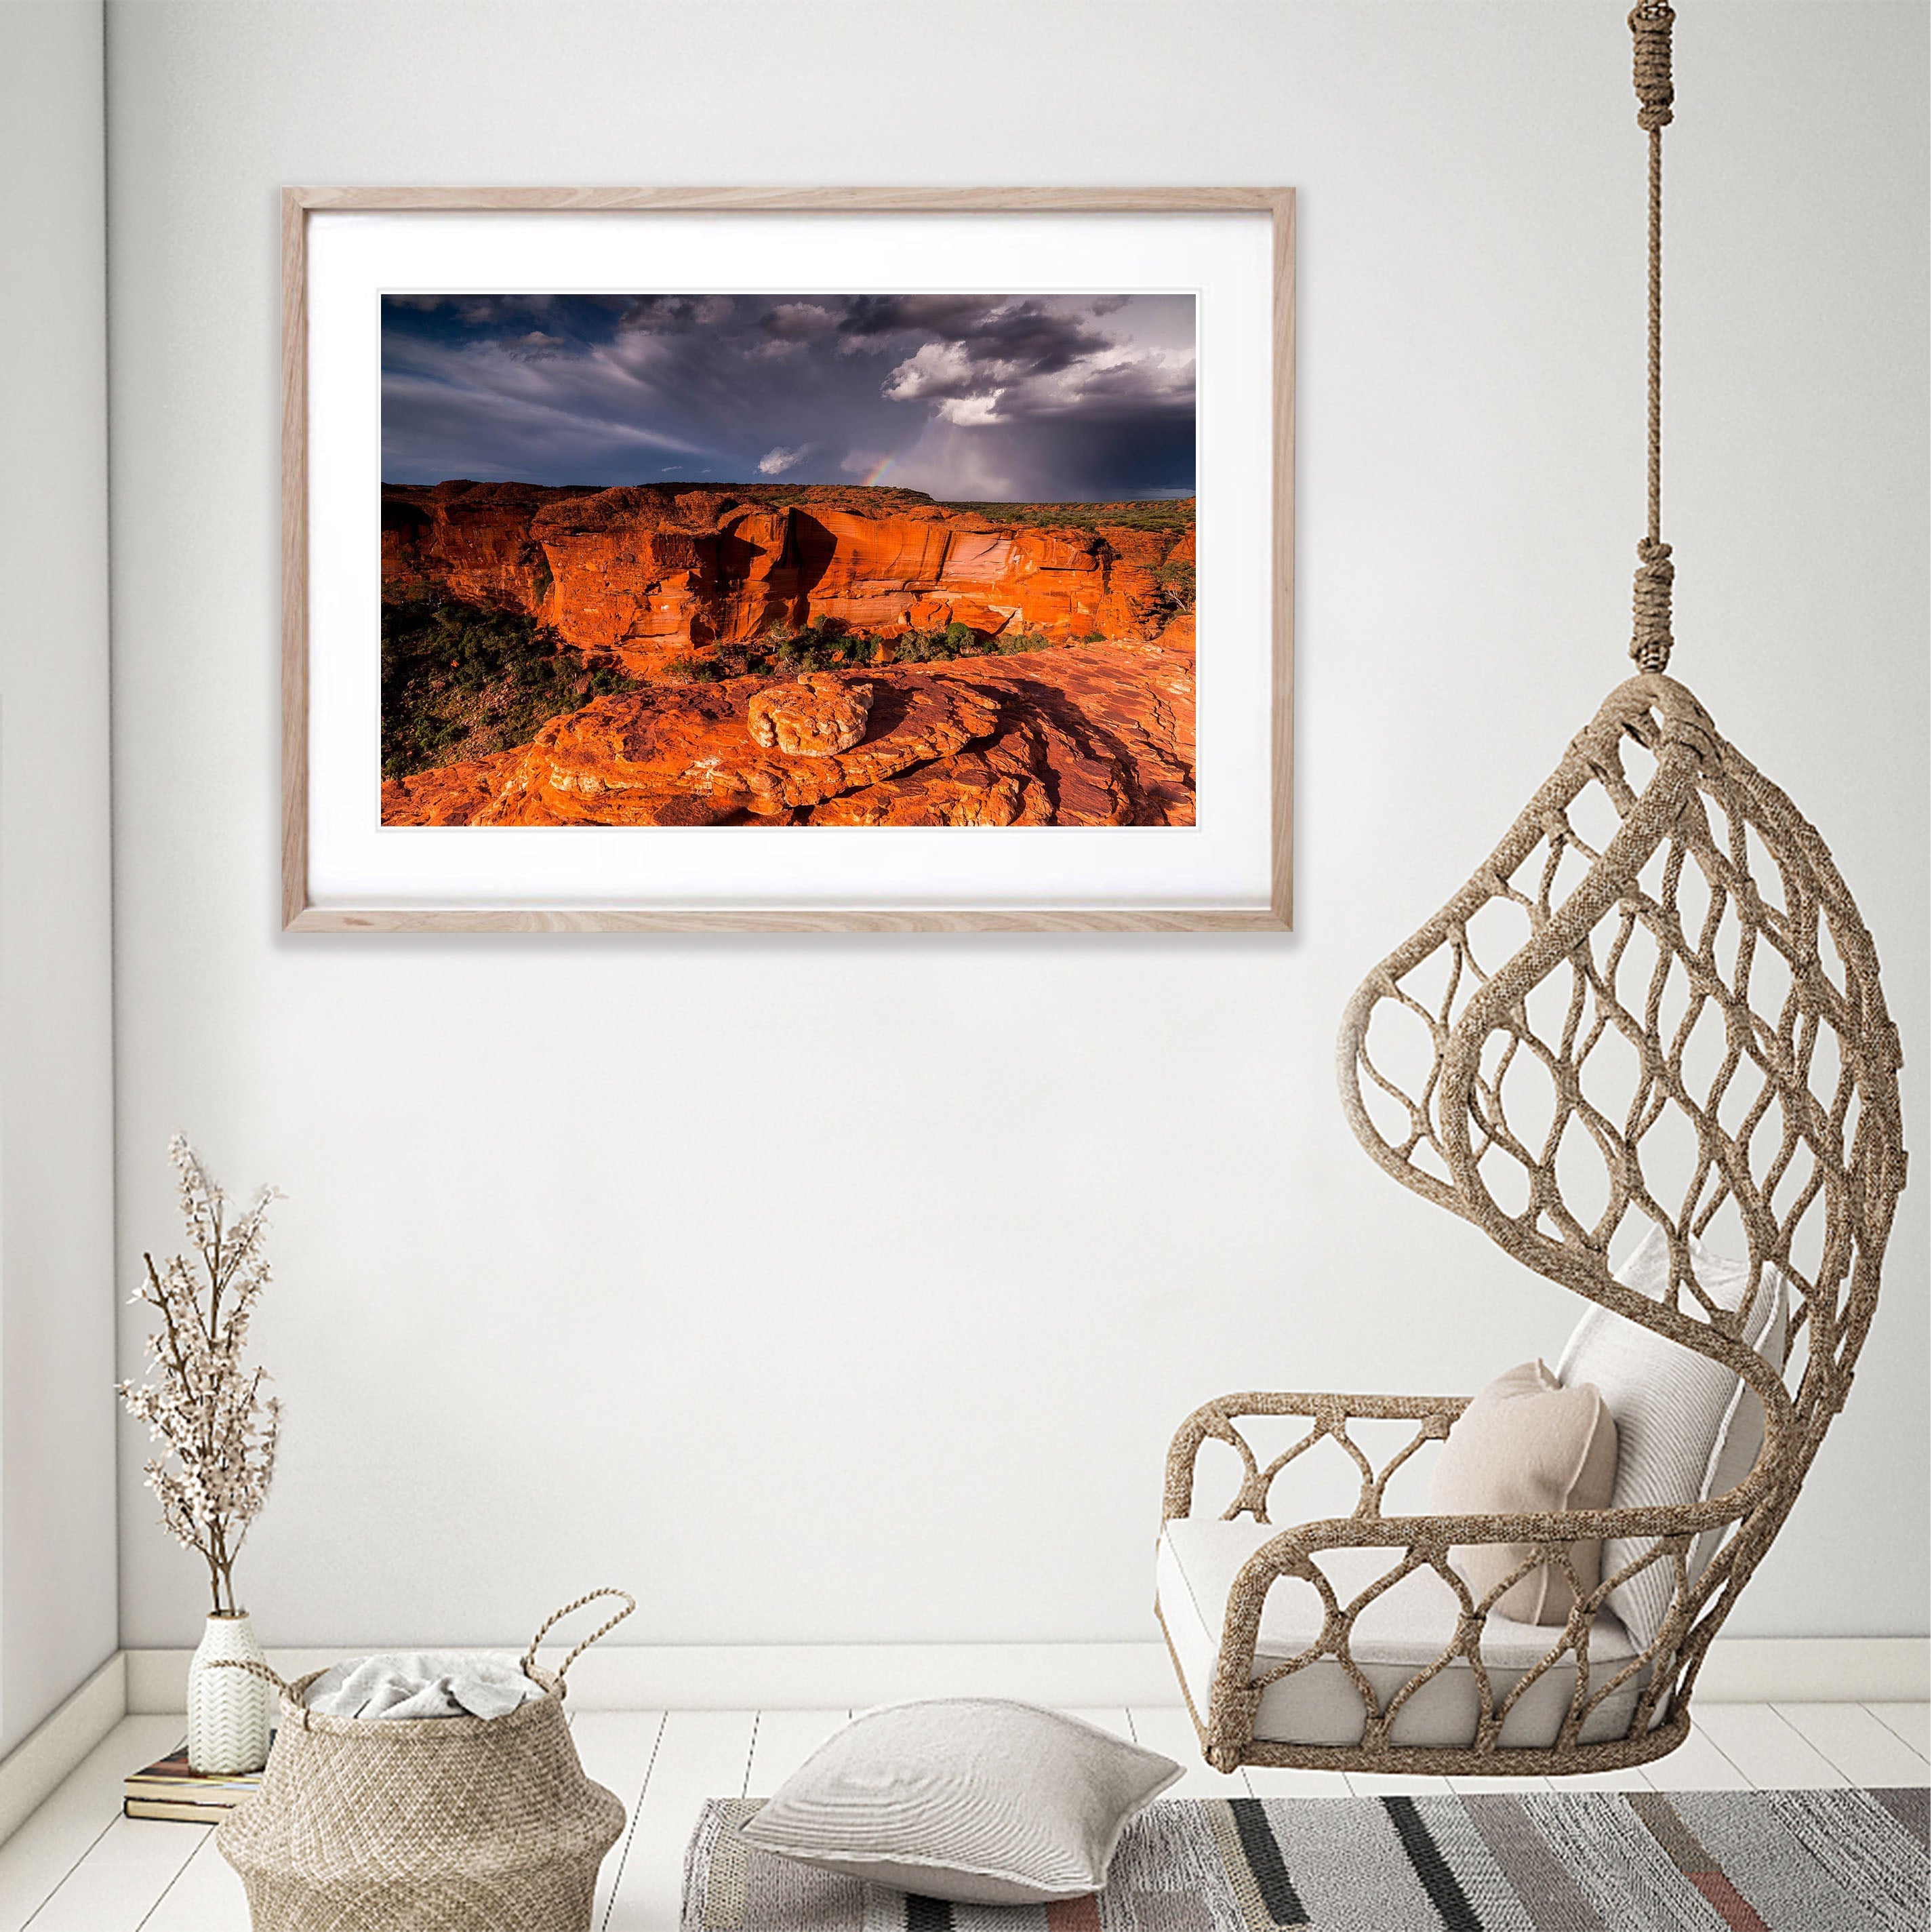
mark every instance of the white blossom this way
{"type": "Point", "coordinates": [219, 1430]}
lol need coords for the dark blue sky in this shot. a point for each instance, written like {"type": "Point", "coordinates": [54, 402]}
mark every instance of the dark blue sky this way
{"type": "Point", "coordinates": [968, 397]}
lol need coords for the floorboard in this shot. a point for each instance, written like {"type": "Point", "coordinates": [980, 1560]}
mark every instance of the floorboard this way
{"type": "Point", "coordinates": [616, 1749]}
{"type": "Point", "coordinates": [1765, 1748]}
{"type": "Point", "coordinates": [1695, 1765]}
{"type": "Point", "coordinates": [701, 1754]}
{"type": "Point", "coordinates": [1855, 1744]}
{"type": "Point", "coordinates": [205, 1896]}
{"type": "Point", "coordinates": [1911, 1722]}
{"type": "Point", "coordinates": [1397, 1784]}
{"type": "Point", "coordinates": [1281, 1780]}
{"type": "Point", "coordinates": [77, 1866]}
{"type": "Point", "coordinates": [129, 1867]}
{"type": "Point", "coordinates": [1633, 1777]}
{"type": "Point", "coordinates": [61, 1832]}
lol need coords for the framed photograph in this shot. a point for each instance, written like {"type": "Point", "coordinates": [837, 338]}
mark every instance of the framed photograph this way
{"type": "Point", "coordinates": [741, 558]}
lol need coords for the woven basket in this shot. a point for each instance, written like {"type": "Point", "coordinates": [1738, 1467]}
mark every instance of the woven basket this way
{"type": "Point", "coordinates": [438, 1825]}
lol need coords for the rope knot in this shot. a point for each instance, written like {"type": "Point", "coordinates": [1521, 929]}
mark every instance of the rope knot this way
{"type": "Point", "coordinates": [1651, 640]}
{"type": "Point", "coordinates": [1650, 24]}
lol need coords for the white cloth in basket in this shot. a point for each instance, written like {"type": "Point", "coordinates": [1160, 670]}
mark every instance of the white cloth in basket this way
{"type": "Point", "coordinates": [422, 1684]}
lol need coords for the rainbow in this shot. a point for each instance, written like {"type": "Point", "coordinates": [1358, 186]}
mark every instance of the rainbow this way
{"type": "Point", "coordinates": [876, 475]}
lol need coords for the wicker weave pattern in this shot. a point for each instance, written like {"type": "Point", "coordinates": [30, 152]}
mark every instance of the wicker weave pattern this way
{"type": "Point", "coordinates": [437, 1824]}
{"type": "Point", "coordinates": [442, 1825]}
{"type": "Point", "coordinates": [1656, 1002]}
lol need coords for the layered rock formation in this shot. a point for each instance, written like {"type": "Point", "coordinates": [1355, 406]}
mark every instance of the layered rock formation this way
{"type": "Point", "coordinates": [1099, 734]}
{"type": "Point", "coordinates": [641, 574]}
{"type": "Point", "coordinates": [816, 716]}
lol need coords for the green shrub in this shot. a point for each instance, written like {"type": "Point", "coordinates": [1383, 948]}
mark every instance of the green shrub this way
{"type": "Point", "coordinates": [1177, 583]}
{"type": "Point", "coordinates": [1012, 643]}
{"type": "Point", "coordinates": [456, 674]}
{"type": "Point", "coordinates": [1166, 513]}
{"type": "Point", "coordinates": [933, 646]}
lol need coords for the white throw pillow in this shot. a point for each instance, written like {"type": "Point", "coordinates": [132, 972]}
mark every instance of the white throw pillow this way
{"type": "Point", "coordinates": [1688, 1429]}
{"type": "Point", "coordinates": [973, 1800]}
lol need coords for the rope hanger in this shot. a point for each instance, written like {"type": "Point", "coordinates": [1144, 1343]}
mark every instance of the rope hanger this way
{"type": "Point", "coordinates": [1650, 640]}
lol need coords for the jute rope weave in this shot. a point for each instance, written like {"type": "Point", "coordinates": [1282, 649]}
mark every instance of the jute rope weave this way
{"type": "Point", "coordinates": [1650, 641]}
{"type": "Point", "coordinates": [1655, 1005]}
{"type": "Point", "coordinates": [1681, 1019]}
{"type": "Point", "coordinates": [439, 1824]}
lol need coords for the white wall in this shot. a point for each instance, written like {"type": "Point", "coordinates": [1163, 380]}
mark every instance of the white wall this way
{"type": "Point", "coordinates": [57, 1504]}
{"type": "Point", "coordinates": [579, 1280]}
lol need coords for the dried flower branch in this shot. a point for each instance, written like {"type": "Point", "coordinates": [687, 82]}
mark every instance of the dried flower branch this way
{"type": "Point", "coordinates": [220, 1430]}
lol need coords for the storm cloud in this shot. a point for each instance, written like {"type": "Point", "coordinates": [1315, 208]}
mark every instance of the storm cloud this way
{"type": "Point", "coordinates": [1043, 398]}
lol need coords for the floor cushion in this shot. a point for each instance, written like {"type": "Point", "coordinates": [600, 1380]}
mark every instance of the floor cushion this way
{"type": "Point", "coordinates": [975, 1800]}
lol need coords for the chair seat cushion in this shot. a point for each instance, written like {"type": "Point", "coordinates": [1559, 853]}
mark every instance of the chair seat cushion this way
{"type": "Point", "coordinates": [1404, 1630]}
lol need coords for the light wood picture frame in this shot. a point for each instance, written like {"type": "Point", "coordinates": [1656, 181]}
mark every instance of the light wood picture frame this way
{"type": "Point", "coordinates": [1228, 870]}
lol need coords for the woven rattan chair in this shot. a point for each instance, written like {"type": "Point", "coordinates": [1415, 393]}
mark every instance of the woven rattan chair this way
{"type": "Point", "coordinates": [1654, 1005]}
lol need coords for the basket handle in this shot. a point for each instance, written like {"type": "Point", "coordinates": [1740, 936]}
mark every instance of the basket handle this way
{"type": "Point", "coordinates": [253, 1670]}
{"type": "Point", "coordinates": [630, 1603]}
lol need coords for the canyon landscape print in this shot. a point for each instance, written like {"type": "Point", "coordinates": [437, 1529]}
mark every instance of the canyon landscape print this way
{"type": "Point", "coordinates": [771, 560]}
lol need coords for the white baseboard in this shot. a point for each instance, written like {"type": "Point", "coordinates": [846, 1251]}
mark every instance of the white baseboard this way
{"type": "Point", "coordinates": [40, 1765]}
{"type": "Point", "coordinates": [772, 1677]}
{"type": "Point", "coordinates": [768, 1677]}
{"type": "Point", "coordinates": [1817, 1670]}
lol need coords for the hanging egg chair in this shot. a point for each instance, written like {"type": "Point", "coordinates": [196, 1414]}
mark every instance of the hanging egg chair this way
{"type": "Point", "coordinates": [1652, 1017]}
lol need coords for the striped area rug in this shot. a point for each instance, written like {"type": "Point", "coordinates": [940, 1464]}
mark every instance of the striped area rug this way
{"type": "Point", "coordinates": [1565, 1861]}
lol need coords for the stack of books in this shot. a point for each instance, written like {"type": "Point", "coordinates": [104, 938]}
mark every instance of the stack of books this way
{"type": "Point", "coordinates": [171, 1790]}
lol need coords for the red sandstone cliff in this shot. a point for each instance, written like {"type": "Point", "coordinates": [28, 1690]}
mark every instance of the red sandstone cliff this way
{"type": "Point", "coordinates": [1099, 734]}
{"type": "Point", "coordinates": [644, 572]}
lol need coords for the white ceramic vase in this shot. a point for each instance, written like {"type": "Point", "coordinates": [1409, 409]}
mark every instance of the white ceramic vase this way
{"type": "Point", "coordinates": [230, 1713]}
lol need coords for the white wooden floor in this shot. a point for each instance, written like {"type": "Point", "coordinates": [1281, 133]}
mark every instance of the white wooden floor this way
{"type": "Point", "coordinates": [78, 1866]}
